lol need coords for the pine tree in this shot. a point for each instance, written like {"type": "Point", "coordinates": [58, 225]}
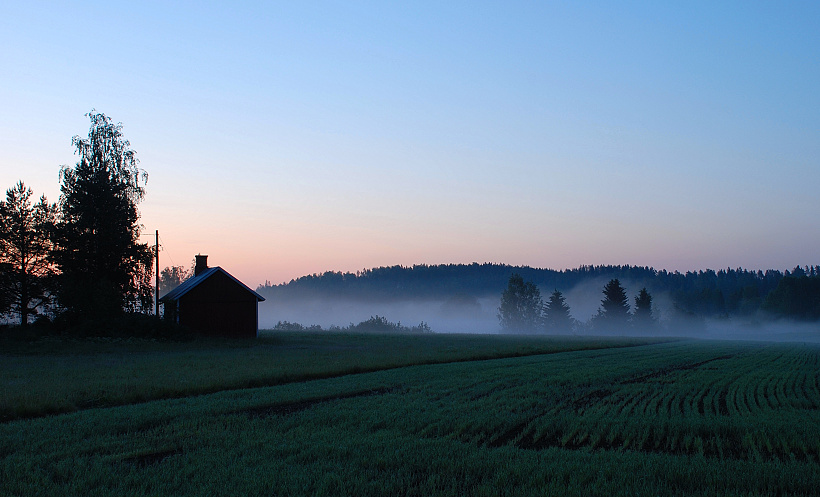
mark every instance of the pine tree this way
{"type": "Point", "coordinates": [556, 314]}
{"type": "Point", "coordinates": [614, 313]}
{"type": "Point", "coordinates": [25, 244]}
{"type": "Point", "coordinates": [643, 318]}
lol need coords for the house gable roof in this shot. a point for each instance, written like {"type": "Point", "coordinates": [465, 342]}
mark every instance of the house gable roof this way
{"type": "Point", "coordinates": [189, 284]}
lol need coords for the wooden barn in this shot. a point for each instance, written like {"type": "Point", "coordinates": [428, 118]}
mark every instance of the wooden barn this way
{"type": "Point", "coordinates": [214, 303]}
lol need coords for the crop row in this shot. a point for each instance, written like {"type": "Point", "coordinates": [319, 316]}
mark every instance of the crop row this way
{"type": "Point", "coordinates": [742, 402]}
{"type": "Point", "coordinates": [725, 406]}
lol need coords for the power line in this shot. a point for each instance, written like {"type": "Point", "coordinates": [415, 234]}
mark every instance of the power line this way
{"type": "Point", "coordinates": [161, 245]}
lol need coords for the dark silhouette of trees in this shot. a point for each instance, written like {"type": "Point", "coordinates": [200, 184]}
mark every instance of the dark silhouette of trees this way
{"type": "Point", "coordinates": [376, 324]}
{"type": "Point", "coordinates": [443, 280]}
{"type": "Point", "coordinates": [171, 277]}
{"type": "Point", "coordinates": [695, 294]}
{"type": "Point", "coordinates": [25, 245]}
{"type": "Point", "coordinates": [614, 312]}
{"type": "Point", "coordinates": [615, 304]}
{"type": "Point", "coordinates": [380, 324]}
{"type": "Point", "coordinates": [643, 319]}
{"type": "Point", "coordinates": [104, 269]}
{"type": "Point", "coordinates": [521, 304]}
{"type": "Point", "coordinates": [5, 293]}
{"type": "Point", "coordinates": [796, 297]}
{"type": "Point", "coordinates": [556, 314]}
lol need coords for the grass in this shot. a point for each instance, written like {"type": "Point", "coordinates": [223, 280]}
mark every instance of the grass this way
{"type": "Point", "coordinates": [674, 418]}
{"type": "Point", "coordinates": [52, 376]}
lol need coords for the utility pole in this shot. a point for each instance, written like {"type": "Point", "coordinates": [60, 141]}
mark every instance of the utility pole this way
{"type": "Point", "coordinates": [157, 263]}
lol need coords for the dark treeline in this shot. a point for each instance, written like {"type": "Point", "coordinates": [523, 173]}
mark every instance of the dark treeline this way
{"type": "Point", "coordinates": [708, 293]}
{"type": "Point", "coordinates": [444, 280]}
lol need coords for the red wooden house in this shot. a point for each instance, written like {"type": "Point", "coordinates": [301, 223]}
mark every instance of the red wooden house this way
{"type": "Point", "coordinates": [214, 303]}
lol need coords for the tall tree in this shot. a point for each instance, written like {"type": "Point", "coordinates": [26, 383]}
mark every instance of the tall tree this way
{"type": "Point", "coordinates": [556, 314]}
{"type": "Point", "coordinates": [25, 244]}
{"type": "Point", "coordinates": [643, 317]}
{"type": "Point", "coordinates": [104, 269]}
{"type": "Point", "coordinates": [521, 304]}
{"type": "Point", "coordinates": [614, 312]}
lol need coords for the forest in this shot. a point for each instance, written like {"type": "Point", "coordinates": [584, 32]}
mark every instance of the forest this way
{"type": "Point", "coordinates": [792, 294]}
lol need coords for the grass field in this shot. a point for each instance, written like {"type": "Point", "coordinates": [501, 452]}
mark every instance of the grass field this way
{"type": "Point", "coordinates": [580, 417]}
{"type": "Point", "coordinates": [57, 376]}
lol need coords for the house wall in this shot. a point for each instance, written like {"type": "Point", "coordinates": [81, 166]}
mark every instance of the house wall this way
{"type": "Point", "coordinates": [219, 307]}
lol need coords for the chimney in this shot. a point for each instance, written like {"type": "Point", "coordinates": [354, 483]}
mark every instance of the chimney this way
{"type": "Point", "coordinates": [201, 264]}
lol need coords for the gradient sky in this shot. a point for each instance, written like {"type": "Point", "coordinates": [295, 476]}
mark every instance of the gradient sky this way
{"type": "Point", "coordinates": [284, 139]}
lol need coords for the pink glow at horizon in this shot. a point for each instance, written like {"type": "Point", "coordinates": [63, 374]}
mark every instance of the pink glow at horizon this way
{"type": "Point", "coordinates": [291, 139]}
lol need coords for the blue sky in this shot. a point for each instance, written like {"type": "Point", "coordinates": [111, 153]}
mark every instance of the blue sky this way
{"type": "Point", "coordinates": [290, 138]}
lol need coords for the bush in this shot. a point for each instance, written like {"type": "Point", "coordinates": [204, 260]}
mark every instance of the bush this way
{"type": "Point", "coordinates": [376, 324]}
{"type": "Point", "coordinates": [288, 326]}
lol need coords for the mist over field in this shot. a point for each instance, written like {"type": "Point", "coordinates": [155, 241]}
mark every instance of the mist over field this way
{"type": "Point", "coordinates": [479, 315]}
{"type": "Point", "coordinates": [456, 315]}
{"type": "Point", "coordinates": [457, 298]}
{"type": "Point", "coordinates": [759, 330]}
{"type": "Point", "coordinates": [460, 313]}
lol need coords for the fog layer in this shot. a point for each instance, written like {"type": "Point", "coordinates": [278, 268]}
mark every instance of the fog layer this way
{"type": "Point", "coordinates": [479, 315]}
{"type": "Point", "coordinates": [443, 316]}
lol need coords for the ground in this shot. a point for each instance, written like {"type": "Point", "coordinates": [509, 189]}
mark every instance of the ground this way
{"type": "Point", "coordinates": [325, 414]}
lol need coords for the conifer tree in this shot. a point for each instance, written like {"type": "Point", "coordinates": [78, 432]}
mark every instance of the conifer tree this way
{"type": "Point", "coordinates": [614, 312]}
{"type": "Point", "coordinates": [556, 314]}
{"type": "Point", "coordinates": [26, 271]}
{"type": "Point", "coordinates": [643, 317]}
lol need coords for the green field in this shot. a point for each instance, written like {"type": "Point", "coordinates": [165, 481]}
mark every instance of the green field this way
{"type": "Point", "coordinates": [413, 415]}
{"type": "Point", "coordinates": [53, 376]}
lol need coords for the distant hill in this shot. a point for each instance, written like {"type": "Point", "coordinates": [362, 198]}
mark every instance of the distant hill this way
{"type": "Point", "coordinates": [703, 293]}
{"type": "Point", "coordinates": [444, 280]}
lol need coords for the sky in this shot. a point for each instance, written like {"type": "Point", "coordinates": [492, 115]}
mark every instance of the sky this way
{"type": "Point", "coordinates": [291, 138]}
